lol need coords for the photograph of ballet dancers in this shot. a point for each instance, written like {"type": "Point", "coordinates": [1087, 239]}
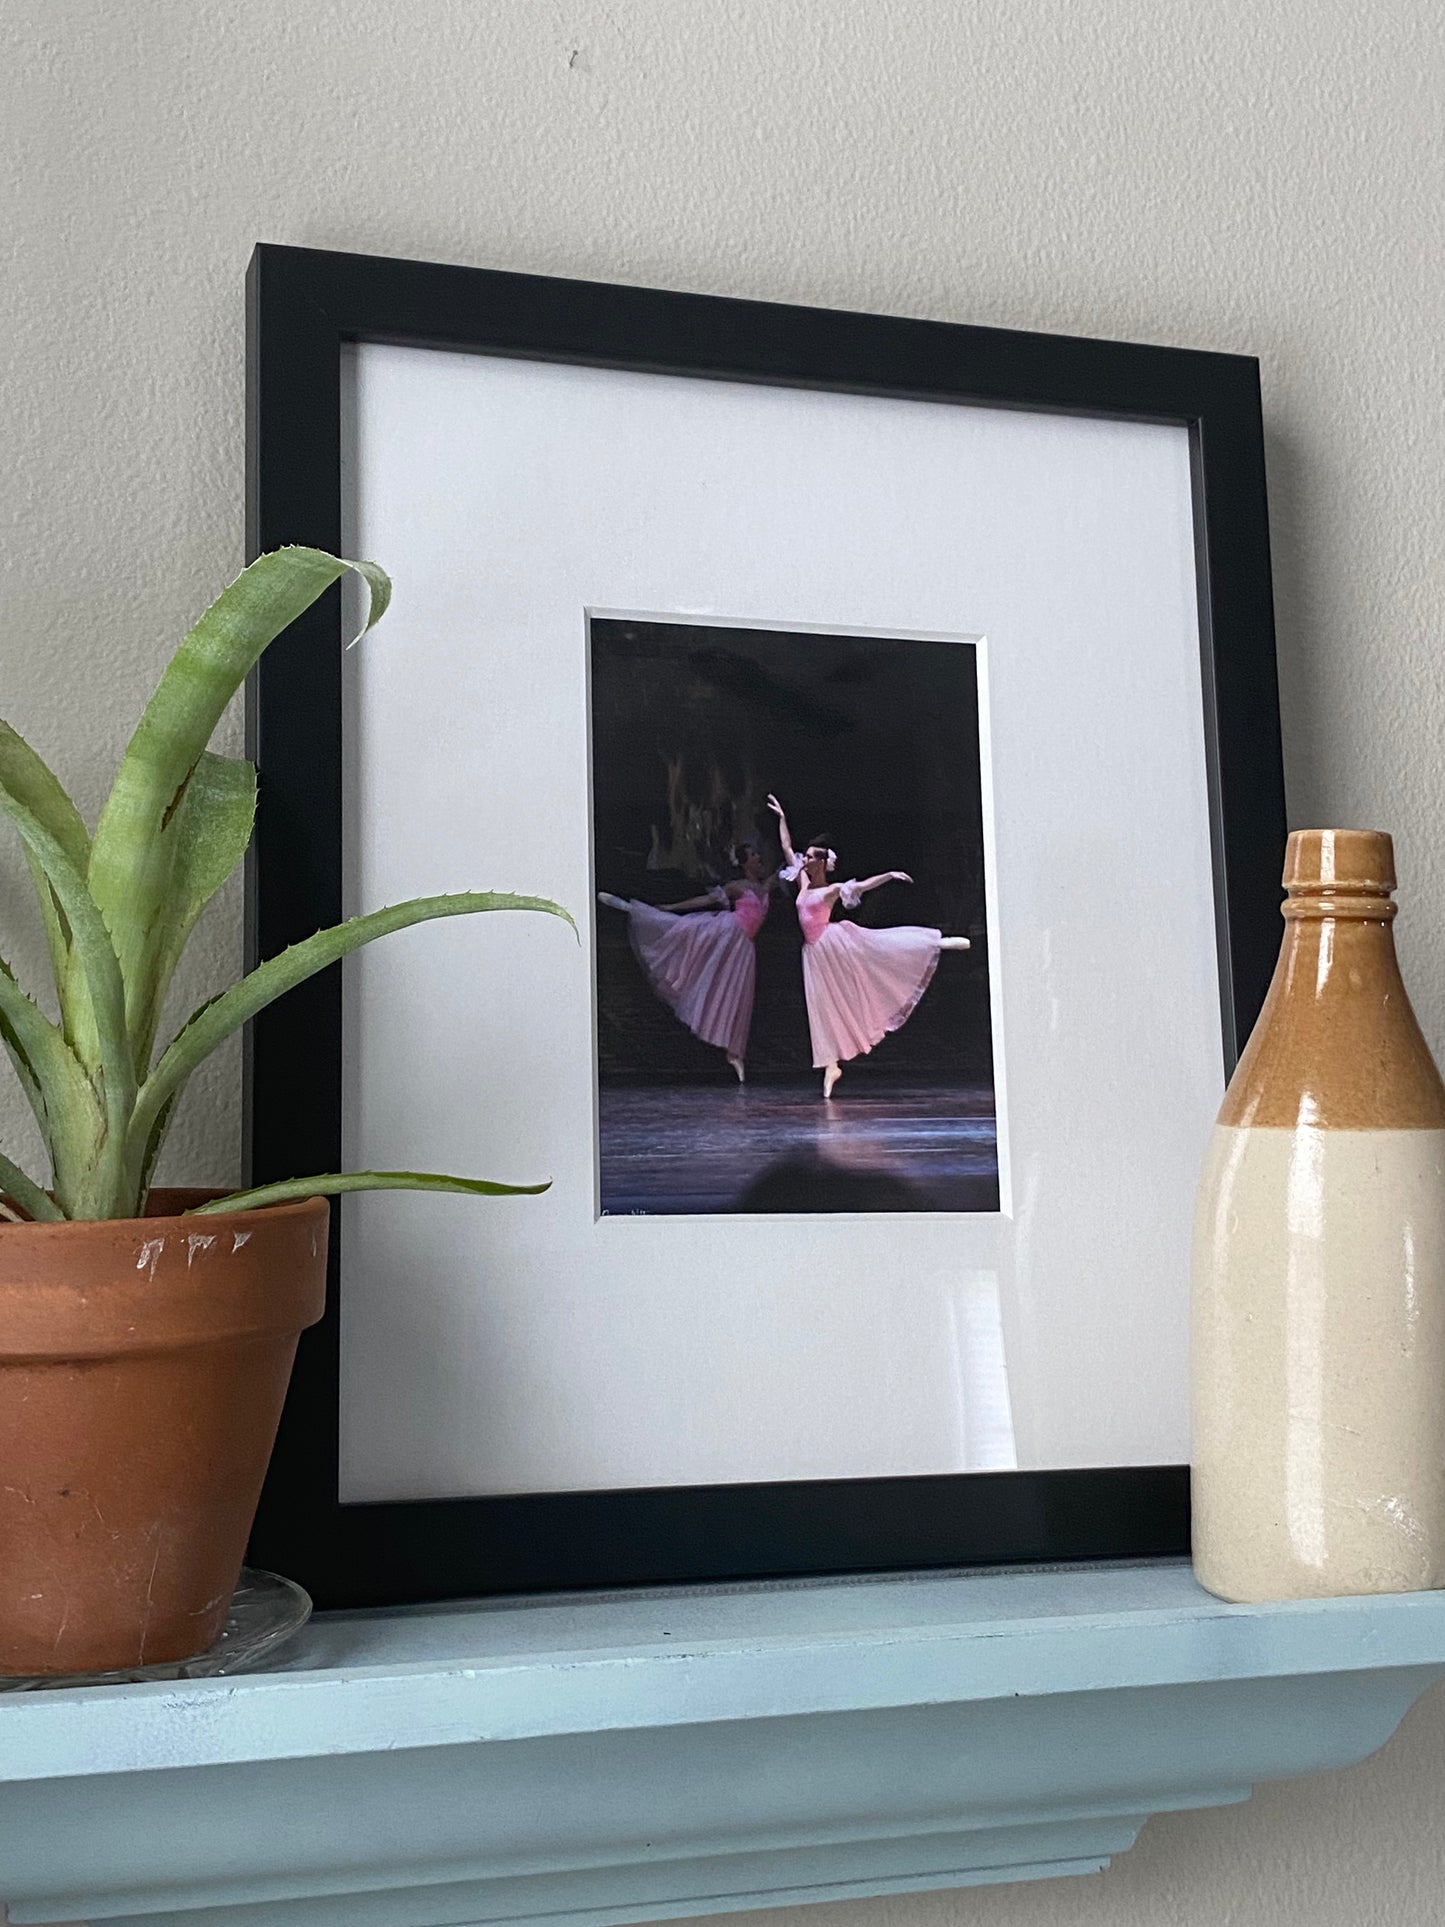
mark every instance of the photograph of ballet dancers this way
{"type": "Point", "coordinates": [789, 1022]}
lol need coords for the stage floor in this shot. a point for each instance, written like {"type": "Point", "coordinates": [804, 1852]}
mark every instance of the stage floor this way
{"type": "Point", "coordinates": [878, 1144]}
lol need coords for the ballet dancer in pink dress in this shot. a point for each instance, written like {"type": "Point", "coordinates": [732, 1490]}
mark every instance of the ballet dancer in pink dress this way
{"type": "Point", "coordinates": [859, 984]}
{"type": "Point", "coordinates": [702, 965]}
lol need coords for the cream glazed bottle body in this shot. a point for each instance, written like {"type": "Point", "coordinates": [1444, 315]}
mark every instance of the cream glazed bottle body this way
{"type": "Point", "coordinates": [1318, 1324]}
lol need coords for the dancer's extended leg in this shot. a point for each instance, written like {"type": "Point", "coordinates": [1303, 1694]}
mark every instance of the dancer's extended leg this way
{"type": "Point", "coordinates": [617, 903]}
{"type": "Point", "coordinates": [954, 943]}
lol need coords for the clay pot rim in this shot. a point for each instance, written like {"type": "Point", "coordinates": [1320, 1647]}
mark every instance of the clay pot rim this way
{"type": "Point", "coordinates": [148, 1225]}
{"type": "Point", "coordinates": [96, 1287]}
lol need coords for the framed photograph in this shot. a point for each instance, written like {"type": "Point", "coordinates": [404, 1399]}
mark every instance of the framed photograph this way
{"type": "Point", "coordinates": [723, 984]}
{"type": "Point", "coordinates": [892, 703]}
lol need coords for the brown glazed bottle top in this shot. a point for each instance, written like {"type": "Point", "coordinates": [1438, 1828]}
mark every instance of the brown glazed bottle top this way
{"type": "Point", "coordinates": [1324, 869]}
{"type": "Point", "coordinates": [1337, 1046]}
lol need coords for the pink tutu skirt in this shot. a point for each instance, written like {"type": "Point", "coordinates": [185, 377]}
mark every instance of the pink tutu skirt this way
{"type": "Point", "coordinates": [860, 984]}
{"type": "Point", "coordinates": [701, 964]}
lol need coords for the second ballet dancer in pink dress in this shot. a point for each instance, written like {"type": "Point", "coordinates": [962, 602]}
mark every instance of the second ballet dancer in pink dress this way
{"type": "Point", "coordinates": [702, 965]}
{"type": "Point", "coordinates": [859, 984]}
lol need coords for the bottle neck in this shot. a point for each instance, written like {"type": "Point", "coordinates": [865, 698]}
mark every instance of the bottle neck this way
{"type": "Point", "coordinates": [1337, 956]}
{"type": "Point", "coordinates": [1318, 903]}
{"type": "Point", "coordinates": [1337, 1045]}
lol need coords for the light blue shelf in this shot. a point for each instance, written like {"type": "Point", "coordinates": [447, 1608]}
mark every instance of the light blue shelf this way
{"type": "Point", "coordinates": [629, 1757]}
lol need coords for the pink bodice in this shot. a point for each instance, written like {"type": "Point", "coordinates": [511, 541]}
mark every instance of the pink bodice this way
{"type": "Point", "coordinates": [815, 911]}
{"type": "Point", "coordinates": [750, 909]}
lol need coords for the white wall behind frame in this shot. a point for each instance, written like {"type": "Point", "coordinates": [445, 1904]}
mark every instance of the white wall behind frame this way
{"type": "Point", "coordinates": [1236, 174]}
{"type": "Point", "coordinates": [557, 1352]}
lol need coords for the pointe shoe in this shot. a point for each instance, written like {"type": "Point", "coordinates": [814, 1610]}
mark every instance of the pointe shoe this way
{"type": "Point", "coordinates": [830, 1078]}
{"type": "Point", "coordinates": [613, 903]}
{"type": "Point", "coordinates": [954, 943]}
{"type": "Point", "coordinates": [739, 1067]}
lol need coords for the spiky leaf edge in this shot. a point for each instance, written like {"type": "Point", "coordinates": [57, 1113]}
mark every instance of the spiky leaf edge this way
{"type": "Point", "coordinates": [33, 784]}
{"type": "Point", "coordinates": [110, 1070]}
{"type": "Point", "coordinates": [339, 1183]}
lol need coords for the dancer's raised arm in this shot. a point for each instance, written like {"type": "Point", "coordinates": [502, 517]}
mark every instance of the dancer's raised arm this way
{"type": "Point", "coordinates": [876, 883]}
{"type": "Point", "coordinates": [784, 838]}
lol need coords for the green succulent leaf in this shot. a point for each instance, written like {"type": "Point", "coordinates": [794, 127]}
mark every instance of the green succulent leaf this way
{"type": "Point", "coordinates": [34, 784]}
{"type": "Point", "coordinates": [54, 1081]}
{"type": "Point", "coordinates": [209, 831]}
{"type": "Point", "coordinates": [28, 1194]}
{"type": "Point", "coordinates": [153, 1149]}
{"type": "Point", "coordinates": [132, 858]}
{"type": "Point", "coordinates": [215, 1021]}
{"type": "Point", "coordinates": [26, 1033]}
{"type": "Point", "coordinates": [336, 1183]}
{"type": "Point", "coordinates": [102, 1046]}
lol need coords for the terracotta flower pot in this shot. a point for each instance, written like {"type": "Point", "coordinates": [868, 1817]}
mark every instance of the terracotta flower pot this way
{"type": "Point", "coordinates": [143, 1364]}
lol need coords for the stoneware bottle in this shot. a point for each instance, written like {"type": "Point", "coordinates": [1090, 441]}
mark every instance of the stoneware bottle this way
{"type": "Point", "coordinates": [1318, 1355]}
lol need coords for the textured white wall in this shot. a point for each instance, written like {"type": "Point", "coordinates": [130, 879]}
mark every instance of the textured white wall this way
{"type": "Point", "coordinates": [1258, 175]}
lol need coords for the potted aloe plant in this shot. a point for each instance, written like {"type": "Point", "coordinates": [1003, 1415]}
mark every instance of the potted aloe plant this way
{"type": "Point", "coordinates": [147, 1336]}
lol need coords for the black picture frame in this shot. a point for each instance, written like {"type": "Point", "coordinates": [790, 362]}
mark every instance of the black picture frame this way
{"type": "Point", "coordinates": [304, 307]}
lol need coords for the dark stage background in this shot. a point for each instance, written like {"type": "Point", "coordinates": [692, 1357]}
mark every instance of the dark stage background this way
{"type": "Point", "coordinates": [872, 740]}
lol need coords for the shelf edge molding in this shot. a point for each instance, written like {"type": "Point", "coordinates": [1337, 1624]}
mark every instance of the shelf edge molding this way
{"type": "Point", "coordinates": [972, 1752]}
